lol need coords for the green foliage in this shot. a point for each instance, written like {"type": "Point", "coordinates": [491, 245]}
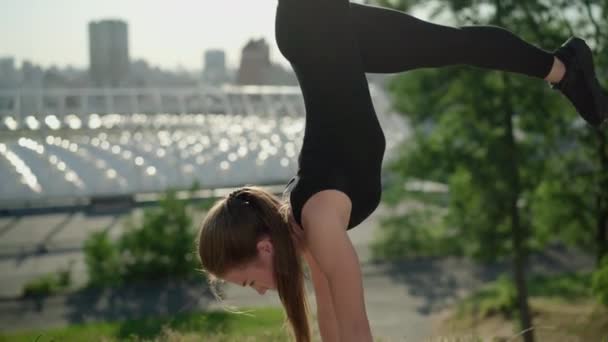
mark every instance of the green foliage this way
{"type": "Point", "coordinates": [599, 283]}
{"type": "Point", "coordinates": [206, 204]}
{"type": "Point", "coordinates": [461, 117]}
{"type": "Point", "coordinates": [102, 258]}
{"type": "Point", "coordinates": [418, 232]}
{"type": "Point", "coordinates": [196, 185]}
{"type": "Point", "coordinates": [161, 246]}
{"type": "Point", "coordinates": [498, 297]}
{"type": "Point", "coordinates": [493, 138]}
{"type": "Point", "coordinates": [569, 286]}
{"type": "Point", "coordinates": [562, 209]}
{"type": "Point", "coordinates": [459, 144]}
{"type": "Point", "coordinates": [48, 284]}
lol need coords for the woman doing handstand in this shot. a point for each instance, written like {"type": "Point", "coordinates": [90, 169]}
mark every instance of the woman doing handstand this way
{"type": "Point", "coordinates": [252, 238]}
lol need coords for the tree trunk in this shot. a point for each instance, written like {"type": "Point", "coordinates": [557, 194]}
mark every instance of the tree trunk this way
{"type": "Point", "coordinates": [602, 226]}
{"type": "Point", "coordinates": [519, 264]}
{"type": "Point", "coordinates": [602, 199]}
{"type": "Point", "coordinates": [518, 234]}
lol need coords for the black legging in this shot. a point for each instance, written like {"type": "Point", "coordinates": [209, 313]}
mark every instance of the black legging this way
{"type": "Point", "coordinates": [331, 44]}
{"type": "Point", "coordinates": [390, 41]}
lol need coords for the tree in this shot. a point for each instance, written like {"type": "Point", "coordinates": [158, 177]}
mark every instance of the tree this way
{"type": "Point", "coordinates": [158, 246]}
{"type": "Point", "coordinates": [494, 138]}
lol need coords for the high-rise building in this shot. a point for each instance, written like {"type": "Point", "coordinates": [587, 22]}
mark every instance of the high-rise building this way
{"type": "Point", "coordinates": [214, 70]}
{"type": "Point", "coordinates": [9, 76]}
{"type": "Point", "coordinates": [32, 75]}
{"type": "Point", "coordinates": [255, 63]}
{"type": "Point", "coordinates": [109, 53]}
{"type": "Point", "coordinates": [257, 68]}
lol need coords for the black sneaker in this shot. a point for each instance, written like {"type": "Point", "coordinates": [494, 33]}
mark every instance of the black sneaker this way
{"type": "Point", "coordinates": [579, 84]}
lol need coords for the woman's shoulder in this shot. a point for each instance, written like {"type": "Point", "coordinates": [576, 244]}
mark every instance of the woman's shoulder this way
{"type": "Point", "coordinates": [317, 192]}
{"type": "Point", "coordinates": [327, 204]}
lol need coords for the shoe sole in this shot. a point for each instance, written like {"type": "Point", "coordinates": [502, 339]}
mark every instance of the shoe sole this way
{"type": "Point", "coordinates": [583, 56]}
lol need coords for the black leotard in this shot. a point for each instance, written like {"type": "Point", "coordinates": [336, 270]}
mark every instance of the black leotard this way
{"type": "Point", "coordinates": [330, 44]}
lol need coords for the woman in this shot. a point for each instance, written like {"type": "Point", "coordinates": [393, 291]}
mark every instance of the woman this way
{"type": "Point", "coordinates": [251, 238]}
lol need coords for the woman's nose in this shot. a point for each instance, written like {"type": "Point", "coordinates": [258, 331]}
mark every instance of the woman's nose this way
{"type": "Point", "coordinates": [261, 291]}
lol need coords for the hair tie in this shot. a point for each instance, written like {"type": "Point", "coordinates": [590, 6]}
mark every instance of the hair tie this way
{"type": "Point", "coordinates": [238, 194]}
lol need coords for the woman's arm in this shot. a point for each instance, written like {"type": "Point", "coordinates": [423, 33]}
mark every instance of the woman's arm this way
{"type": "Point", "coordinates": [325, 220]}
{"type": "Point", "coordinates": [328, 325]}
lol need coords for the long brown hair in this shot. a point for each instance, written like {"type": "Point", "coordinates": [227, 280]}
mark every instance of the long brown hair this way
{"type": "Point", "coordinates": [228, 237]}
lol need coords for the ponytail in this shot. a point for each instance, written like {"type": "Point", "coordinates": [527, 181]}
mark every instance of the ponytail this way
{"type": "Point", "coordinates": [228, 237]}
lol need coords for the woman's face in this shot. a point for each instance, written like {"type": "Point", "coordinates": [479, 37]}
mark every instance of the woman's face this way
{"type": "Point", "coordinates": [259, 273]}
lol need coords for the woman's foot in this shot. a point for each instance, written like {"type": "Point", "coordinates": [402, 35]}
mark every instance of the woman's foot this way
{"type": "Point", "coordinates": [580, 84]}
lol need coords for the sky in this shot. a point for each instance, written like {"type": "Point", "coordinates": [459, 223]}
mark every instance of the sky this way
{"type": "Point", "coordinates": [166, 33]}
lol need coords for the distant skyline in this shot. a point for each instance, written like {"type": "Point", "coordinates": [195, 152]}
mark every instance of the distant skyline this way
{"type": "Point", "coordinates": [168, 34]}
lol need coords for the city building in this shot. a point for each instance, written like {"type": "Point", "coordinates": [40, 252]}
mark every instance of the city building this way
{"type": "Point", "coordinates": [9, 75]}
{"type": "Point", "coordinates": [257, 68]}
{"type": "Point", "coordinates": [144, 75]}
{"type": "Point", "coordinates": [32, 75]}
{"type": "Point", "coordinates": [255, 63]}
{"type": "Point", "coordinates": [214, 69]}
{"type": "Point", "coordinates": [109, 53]}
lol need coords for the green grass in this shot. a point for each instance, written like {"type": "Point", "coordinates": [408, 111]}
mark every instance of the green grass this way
{"type": "Point", "coordinates": [562, 308]}
{"type": "Point", "coordinates": [553, 320]}
{"type": "Point", "coordinates": [500, 296]}
{"type": "Point", "coordinates": [266, 324]}
{"type": "Point", "coordinates": [567, 287]}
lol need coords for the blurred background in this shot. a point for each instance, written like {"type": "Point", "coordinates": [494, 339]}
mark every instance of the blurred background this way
{"type": "Point", "coordinates": [121, 122]}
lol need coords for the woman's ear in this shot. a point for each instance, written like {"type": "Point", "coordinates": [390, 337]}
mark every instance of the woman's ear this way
{"type": "Point", "coordinates": [265, 245]}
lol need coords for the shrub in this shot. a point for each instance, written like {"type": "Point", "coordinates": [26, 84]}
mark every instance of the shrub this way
{"type": "Point", "coordinates": [161, 246]}
{"type": "Point", "coordinates": [599, 282]}
{"type": "Point", "coordinates": [498, 297]}
{"type": "Point", "coordinates": [50, 283]}
{"type": "Point", "coordinates": [102, 260]}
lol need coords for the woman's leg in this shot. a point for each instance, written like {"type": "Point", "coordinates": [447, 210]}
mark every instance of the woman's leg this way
{"type": "Point", "coordinates": [318, 39]}
{"type": "Point", "coordinates": [392, 41]}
